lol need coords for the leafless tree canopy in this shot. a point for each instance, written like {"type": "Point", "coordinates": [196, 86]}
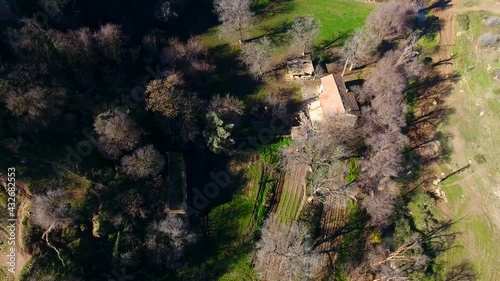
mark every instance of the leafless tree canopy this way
{"type": "Point", "coordinates": [110, 39]}
{"type": "Point", "coordinates": [325, 149]}
{"type": "Point", "coordinates": [392, 19]}
{"type": "Point", "coordinates": [257, 56]}
{"type": "Point", "coordinates": [303, 32]}
{"type": "Point", "coordinates": [167, 238]}
{"type": "Point", "coordinates": [145, 161]}
{"type": "Point", "coordinates": [380, 204]}
{"type": "Point", "coordinates": [29, 40]}
{"type": "Point", "coordinates": [52, 210]}
{"type": "Point", "coordinates": [36, 104]}
{"type": "Point", "coordinates": [235, 15]}
{"type": "Point", "coordinates": [164, 96]}
{"type": "Point", "coordinates": [284, 251]}
{"type": "Point", "coordinates": [398, 264]}
{"type": "Point", "coordinates": [383, 119]}
{"type": "Point", "coordinates": [117, 133]}
{"type": "Point", "coordinates": [361, 47]}
{"type": "Point", "coordinates": [134, 204]}
{"type": "Point", "coordinates": [190, 58]}
{"type": "Point", "coordinates": [226, 106]}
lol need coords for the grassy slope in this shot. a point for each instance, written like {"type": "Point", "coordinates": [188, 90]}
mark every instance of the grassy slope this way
{"type": "Point", "coordinates": [335, 17]}
{"type": "Point", "coordinates": [478, 239]}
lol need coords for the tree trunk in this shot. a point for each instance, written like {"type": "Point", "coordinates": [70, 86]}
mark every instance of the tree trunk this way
{"type": "Point", "coordinates": [345, 66]}
{"type": "Point", "coordinates": [46, 236]}
{"type": "Point", "coordinates": [240, 32]}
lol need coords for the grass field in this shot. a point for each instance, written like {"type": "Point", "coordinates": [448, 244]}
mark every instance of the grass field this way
{"type": "Point", "coordinates": [473, 196]}
{"type": "Point", "coordinates": [235, 224]}
{"type": "Point", "coordinates": [335, 16]}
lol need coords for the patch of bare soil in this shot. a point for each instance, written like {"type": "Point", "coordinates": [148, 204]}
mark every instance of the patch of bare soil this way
{"type": "Point", "coordinates": [332, 224]}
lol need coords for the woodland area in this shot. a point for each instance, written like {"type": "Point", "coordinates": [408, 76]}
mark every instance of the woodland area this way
{"type": "Point", "coordinates": [99, 99]}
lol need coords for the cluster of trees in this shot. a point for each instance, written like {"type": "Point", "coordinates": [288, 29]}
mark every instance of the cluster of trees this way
{"type": "Point", "coordinates": [381, 125]}
{"type": "Point", "coordinates": [383, 120]}
{"type": "Point", "coordinates": [364, 46]}
{"type": "Point", "coordinates": [69, 78]}
{"type": "Point", "coordinates": [325, 149]}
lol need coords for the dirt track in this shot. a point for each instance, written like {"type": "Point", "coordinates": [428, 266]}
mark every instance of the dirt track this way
{"type": "Point", "coordinates": [23, 199]}
{"type": "Point", "coordinates": [461, 149]}
{"type": "Point", "coordinates": [479, 182]}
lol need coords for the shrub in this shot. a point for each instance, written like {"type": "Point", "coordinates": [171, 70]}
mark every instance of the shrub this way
{"type": "Point", "coordinates": [488, 39]}
{"type": "Point", "coordinates": [493, 21]}
{"type": "Point", "coordinates": [463, 21]}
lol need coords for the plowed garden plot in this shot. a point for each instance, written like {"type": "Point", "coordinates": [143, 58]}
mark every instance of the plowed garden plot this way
{"type": "Point", "coordinates": [293, 193]}
{"type": "Point", "coordinates": [333, 221]}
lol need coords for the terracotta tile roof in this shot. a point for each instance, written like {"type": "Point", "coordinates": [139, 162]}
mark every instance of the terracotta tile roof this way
{"type": "Point", "coordinates": [330, 99]}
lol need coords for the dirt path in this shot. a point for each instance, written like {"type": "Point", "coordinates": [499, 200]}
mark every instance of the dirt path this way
{"type": "Point", "coordinates": [480, 182]}
{"type": "Point", "coordinates": [457, 101]}
{"type": "Point", "coordinates": [23, 200]}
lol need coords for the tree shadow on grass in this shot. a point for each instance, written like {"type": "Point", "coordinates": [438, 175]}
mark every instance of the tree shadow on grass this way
{"type": "Point", "coordinates": [461, 272]}
{"type": "Point", "coordinates": [278, 34]}
{"type": "Point", "coordinates": [267, 10]}
{"type": "Point", "coordinates": [231, 76]}
{"type": "Point", "coordinates": [431, 27]}
{"type": "Point", "coordinates": [426, 101]}
{"type": "Point", "coordinates": [440, 5]}
{"type": "Point", "coordinates": [337, 40]}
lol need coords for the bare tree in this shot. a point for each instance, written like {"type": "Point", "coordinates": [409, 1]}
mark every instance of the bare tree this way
{"type": "Point", "coordinates": [235, 16]}
{"type": "Point", "coordinates": [380, 203]}
{"type": "Point", "coordinates": [36, 104]}
{"type": "Point", "coordinates": [190, 58]}
{"type": "Point", "coordinates": [384, 116]}
{"type": "Point", "coordinates": [399, 23]}
{"type": "Point", "coordinates": [164, 96]}
{"type": "Point", "coordinates": [110, 41]}
{"type": "Point", "coordinates": [387, 77]}
{"type": "Point", "coordinates": [52, 211]}
{"type": "Point", "coordinates": [226, 106]}
{"type": "Point", "coordinates": [284, 252]}
{"type": "Point", "coordinates": [145, 161]}
{"type": "Point", "coordinates": [400, 263]}
{"type": "Point", "coordinates": [31, 39]}
{"type": "Point", "coordinates": [257, 56]}
{"type": "Point", "coordinates": [133, 204]}
{"type": "Point", "coordinates": [167, 238]}
{"type": "Point", "coordinates": [360, 48]}
{"type": "Point", "coordinates": [117, 133]}
{"type": "Point", "coordinates": [77, 46]}
{"type": "Point", "coordinates": [325, 149]}
{"type": "Point", "coordinates": [303, 32]}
